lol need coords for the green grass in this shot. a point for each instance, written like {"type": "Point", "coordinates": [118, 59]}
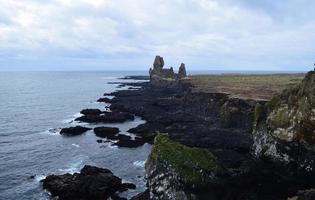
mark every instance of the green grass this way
{"type": "Point", "coordinates": [258, 87]}
{"type": "Point", "coordinates": [193, 165]}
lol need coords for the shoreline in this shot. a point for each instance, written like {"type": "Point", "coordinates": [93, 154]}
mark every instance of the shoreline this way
{"type": "Point", "coordinates": [222, 125]}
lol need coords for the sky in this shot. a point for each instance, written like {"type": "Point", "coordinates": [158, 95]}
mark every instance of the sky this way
{"type": "Point", "coordinates": [127, 34]}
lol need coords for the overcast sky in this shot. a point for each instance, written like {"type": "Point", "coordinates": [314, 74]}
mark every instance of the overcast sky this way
{"type": "Point", "coordinates": [127, 34]}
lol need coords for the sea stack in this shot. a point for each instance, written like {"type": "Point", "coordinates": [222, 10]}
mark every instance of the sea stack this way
{"type": "Point", "coordinates": [165, 77]}
{"type": "Point", "coordinates": [182, 71]}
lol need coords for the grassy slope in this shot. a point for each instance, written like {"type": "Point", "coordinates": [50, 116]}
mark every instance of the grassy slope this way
{"type": "Point", "coordinates": [258, 87]}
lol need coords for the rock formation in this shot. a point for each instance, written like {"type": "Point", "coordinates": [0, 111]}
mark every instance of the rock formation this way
{"type": "Point", "coordinates": [90, 183]}
{"type": "Point", "coordinates": [285, 127]}
{"type": "Point", "coordinates": [180, 169]}
{"type": "Point", "coordinates": [163, 77]}
{"type": "Point", "coordinates": [182, 71]}
{"type": "Point", "coordinates": [73, 131]}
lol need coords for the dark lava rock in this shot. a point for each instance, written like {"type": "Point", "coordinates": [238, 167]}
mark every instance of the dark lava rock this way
{"type": "Point", "coordinates": [72, 131]}
{"type": "Point", "coordinates": [90, 183]}
{"type": "Point", "coordinates": [127, 186]}
{"type": "Point", "coordinates": [117, 197]}
{"type": "Point", "coordinates": [130, 143]}
{"type": "Point", "coordinates": [99, 141]}
{"type": "Point", "coordinates": [123, 137]}
{"type": "Point", "coordinates": [107, 117]}
{"type": "Point", "coordinates": [147, 131]}
{"type": "Point", "coordinates": [91, 112]}
{"type": "Point", "coordinates": [105, 132]}
{"type": "Point", "coordinates": [31, 177]}
{"type": "Point", "coordinates": [142, 196]}
{"type": "Point", "coordinates": [106, 100]}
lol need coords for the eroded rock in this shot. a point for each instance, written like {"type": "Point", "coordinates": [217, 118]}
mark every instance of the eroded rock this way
{"type": "Point", "coordinates": [174, 169]}
{"type": "Point", "coordinates": [73, 131]}
{"type": "Point", "coordinates": [91, 112]}
{"type": "Point", "coordinates": [106, 132]}
{"type": "Point", "coordinates": [91, 183]}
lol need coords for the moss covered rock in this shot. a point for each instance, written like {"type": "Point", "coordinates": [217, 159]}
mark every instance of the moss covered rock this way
{"type": "Point", "coordinates": [173, 169]}
{"type": "Point", "coordinates": [287, 124]}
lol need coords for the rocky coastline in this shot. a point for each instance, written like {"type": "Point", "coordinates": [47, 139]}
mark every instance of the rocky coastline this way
{"type": "Point", "coordinates": [205, 145]}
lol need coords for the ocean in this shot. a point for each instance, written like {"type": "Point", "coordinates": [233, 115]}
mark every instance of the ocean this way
{"type": "Point", "coordinates": [33, 108]}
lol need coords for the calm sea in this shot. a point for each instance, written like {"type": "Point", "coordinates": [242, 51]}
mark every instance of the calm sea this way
{"type": "Point", "coordinates": [33, 106]}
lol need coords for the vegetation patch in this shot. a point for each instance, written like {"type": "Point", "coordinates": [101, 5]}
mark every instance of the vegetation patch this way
{"type": "Point", "coordinates": [194, 166]}
{"type": "Point", "coordinates": [257, 87]}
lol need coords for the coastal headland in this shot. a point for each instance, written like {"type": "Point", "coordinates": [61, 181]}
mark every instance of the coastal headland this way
{"type": "Point", "coordinates": [220, 137]}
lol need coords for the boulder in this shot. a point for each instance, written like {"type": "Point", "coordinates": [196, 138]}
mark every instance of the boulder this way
{"type": "Point", "coordinates": [129, 143]}
{"type": "Point", "coordinates": [73, 131]}
{"type": "Point", "coordinates": [91, 112]}
{"type": "Point", "coordinates": [91, 183]}
{"type": "Point", "coordinates": [106, 132]}
{"type": "Point", "coordinates": [127, 186]}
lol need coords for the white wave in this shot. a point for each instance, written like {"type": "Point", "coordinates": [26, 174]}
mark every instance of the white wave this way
{"type": "Point", "coordinates": [76, 145]}
{"type": "Point", "coordinates": [109, 96]}
{"type": "Point", "coordinates": [73, 167]}
{"type": "Point", "coordinates": [38, 178]}
{"type": "Point", "coordinates": [71, 118]}
{"type": "Point", "coordinates": [139, 163]}
{"type": "Point", "coordinates": [51, 131]}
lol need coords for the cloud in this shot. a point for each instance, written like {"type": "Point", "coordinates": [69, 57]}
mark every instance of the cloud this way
{"type": "Point", "coordinates": [207, 34]}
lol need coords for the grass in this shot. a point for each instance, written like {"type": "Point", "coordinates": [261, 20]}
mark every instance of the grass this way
{"type": "Point", "coordinates": [257, 87]}
{"type": "Point", "coordinates": [193, 165]}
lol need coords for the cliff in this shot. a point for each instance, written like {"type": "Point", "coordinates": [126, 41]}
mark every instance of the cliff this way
{"type": "Point", "coordinates": [181, 169]}
{"type": "Point", "coordinates": [284, 128]}
{"type": "Point", "coordinates": [220, 143]}
{"type": "Point", "coordinates": [280, 166]}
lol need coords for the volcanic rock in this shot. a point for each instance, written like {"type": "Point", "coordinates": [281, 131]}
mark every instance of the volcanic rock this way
{"type": "Point", "coordinates": [90, 183]}
{"type": "Point", "coordinates": [91, 112]}
{"type": "Point", "coordinates": [73, 131]}
{"type": "Point", "coordinates": [107, 117]}
{"type": "Point", "coordinates": [106, 132]}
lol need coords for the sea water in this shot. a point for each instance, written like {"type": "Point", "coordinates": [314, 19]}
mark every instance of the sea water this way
{"type": "Point", "coordinates": [34, 106]}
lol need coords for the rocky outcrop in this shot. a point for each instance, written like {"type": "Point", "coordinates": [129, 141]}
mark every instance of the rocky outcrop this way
{"type": "Point", "coordinates": [73, 131]}
{"type": "Point", "coordinates": [182, 71]}
{"type": "Point", "coordinates": [174, 171]}
{"type": "Point", "coordinates": [284, 128]}
{"type": "Point", "coordinates": [163, 77]}
{"type": "Point", "coordinates": [91, 112]}
{"type": "Point", "coordinates": [106, 132]}
{"type": "Point", "coordinates": [106, 117]}
{"type": "Point", "coordinates": [90, 183]}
